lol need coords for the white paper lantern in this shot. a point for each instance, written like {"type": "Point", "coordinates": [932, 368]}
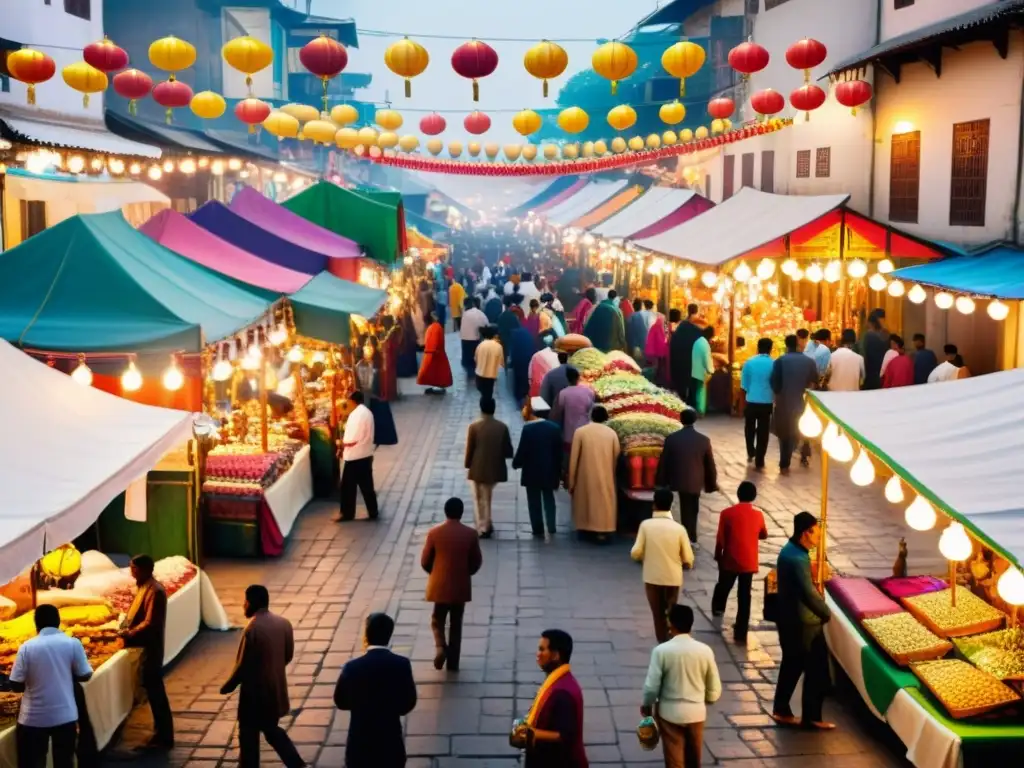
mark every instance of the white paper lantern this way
{"type": "Point", "coordinates": [917, 294]}
{"type": "Point", "coordinates": [894, 490]}
{"type": "Point", "coordinates": [789, 266]}
{"type": "Point", "coordinates": [743, 273]}
{"type": "Point", "coordinates": [857, 269]}
{"type": "Point", "coordinates": [765, 269]}
{"type": "Point", "coordinates": [943, 300]}
{"type": "Point", "coordinates": [877, 282]}
{"type": "Point", "coordinates": [955, 544]}
{"type": "Point", "coordinates": [896, 289]}
{"type": "Point", "coordinates": [1011, 586]}
{"type": "Point", "coordinates": [863, 470]}
{"type": "Point", "coordinates": [920, 515]}
{"type": "Point", "coordinates": [997, 310]}
{"type": "Point", "coordinates": [885, 266]}
{"type": "Point", "coordinates": [814, 273]}
{"type": "Point", "coordinates": [809, 424]}
{"type": "Point", "coordinates": [964, 305]}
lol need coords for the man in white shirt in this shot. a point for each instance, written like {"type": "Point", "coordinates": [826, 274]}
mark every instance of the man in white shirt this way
{"type": "Point", "coordinates": [473, 319]}
{"type": "Point", "coordinates": [682, 679]}
{"type": "Point", "coordinates": [527, 290]}
{"type": "Point", "coordinates": [946, 371]}
{"type": "Point", "coordinates": [357, 455]}
{"type": "Point", "coordinates": [45, 671]}
{"type": "Point", "coordinates": [663, 546]}
{"type": "Point", "coordinates": [846, 367]}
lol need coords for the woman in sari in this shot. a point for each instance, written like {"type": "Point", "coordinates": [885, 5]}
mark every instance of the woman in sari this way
{"type": "Point", "coordinates": [435, 372]}
{"type": "Point", "coordinates": [532, 320]}
{"type": "Point", "coordinates": [582, 311]}
{"type": "Point", "coordinates": [542, 362]}
{"type": "Point", "coordinates": [604, 328]}
{"type": "Point", "coordinates": [656, 348]}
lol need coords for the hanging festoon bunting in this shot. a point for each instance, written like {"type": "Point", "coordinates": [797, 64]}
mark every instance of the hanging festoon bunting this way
{"type": "Point", "coordinates": [853, 94]}
{"type": "Point", "coordinates": [473, 60]}
{"type": "Point", "coordinates": [614, 61]}
{"type": "Point", "coordinates": [767, 102]}
{"type": "Point", "coordinates": [249, 56]}
{"type": "Point", "coordinates": [407, 59]}
{"type": "Point", "coordinates": [672, 113]}
{"type": "Point", "coordinates": [326, 58]}
{"type": "Point", "coordinates": [342, 115]}
{"type": "Point", "coordinates": [85, 79]}
{"type": "Point", "coordinates": [32, 68]}
{"type": "Point", "coordinates": [748, 58]}
{"type": "Point", "coordinates": [546, 61]}
{"type": "Point", "coordinates": [387, 119]}
{"type": "Point", "coordinates": [252, 112]}
{"type": "Point", "coordinates": [806, 54]}
{"type": "Point", "coordinates": [683, 60]}
{"type": "Point", "coordinates": [172, 54]}
{"type": "Point", "coordinates": [806, 98]}
{"type": "Point", "coordinates": [527, 122]}
{"type": "Point", "coordinates": [105, 56]}
{"type": "Point", "coordinates": [721, 108]}
{"type": "Point", "coordinates": [132, 84]}
{"type": "Point", "coordinates": [622, 117]}
{"type": "Point", "coordinates": [573, 120]}
{"type": "Point", "coordinates": [281, 125]}
{"type": "Point", "coordinates": [476, 123]}
{"type": "Point", "coordinates": [208, 105]}
{"type": "Point", "coordinates": [433, 124]}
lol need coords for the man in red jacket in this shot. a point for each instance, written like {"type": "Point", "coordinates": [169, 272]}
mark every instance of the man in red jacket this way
{"type": "Point", "coordinates": [740, 528]}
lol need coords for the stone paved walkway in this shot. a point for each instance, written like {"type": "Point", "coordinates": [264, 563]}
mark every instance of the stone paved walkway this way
{"type": "Point", "coordinates": [332, 576]}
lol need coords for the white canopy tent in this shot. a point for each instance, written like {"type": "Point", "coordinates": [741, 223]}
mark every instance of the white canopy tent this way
{"type": "Point", "coordinates": [650, 208]}
{"type": "Point", "coordinates": [746, 221]}
{"type": "Point", "coordinates": [583, 202]}
{"type": "Point", "coordinates": [69, 450]}
{"type": "Point", "coordinates": [960, 444]}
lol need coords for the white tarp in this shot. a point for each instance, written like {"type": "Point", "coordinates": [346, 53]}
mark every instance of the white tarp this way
{"type": "Point", "coordinates": [960, 442]}
{"type": "Point", "coordinates": [747, 220]}
{"type": "Point", "coordinates": [650, 208]}
{"type": "Point", "coordinates": [68, 450]}
{"type": "Point", "coordinates": [82, 194]}
{"type": "Point", "coordinates": [94, 137]}
{"type": "Point", "coordinates": [583, 202]}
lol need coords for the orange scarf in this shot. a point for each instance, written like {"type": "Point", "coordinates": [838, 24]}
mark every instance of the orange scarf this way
{"type": "Point", "coordinates": [543, 692]}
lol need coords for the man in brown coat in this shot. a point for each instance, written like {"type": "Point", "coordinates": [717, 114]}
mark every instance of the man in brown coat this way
{"type": "Point", "coordinates": [451, 555]}
{"type": "Point", "coordinates": [488, 447]}
{"type": "Point", "coordinates": [265, 650]}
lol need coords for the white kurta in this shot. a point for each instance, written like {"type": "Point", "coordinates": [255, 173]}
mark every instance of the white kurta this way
{"type": "Point", "coordinates": [595, 451]}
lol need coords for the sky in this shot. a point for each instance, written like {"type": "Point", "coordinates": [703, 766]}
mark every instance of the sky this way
{"type": "Point", "coordinates": [510, 88]}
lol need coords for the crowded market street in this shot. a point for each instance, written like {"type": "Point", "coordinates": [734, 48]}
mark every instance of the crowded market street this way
{"type": "Point", "coordinates": [333, 575]}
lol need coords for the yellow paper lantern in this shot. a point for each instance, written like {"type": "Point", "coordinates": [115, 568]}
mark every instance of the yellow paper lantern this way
{"type": "Point", "coordinates": [668, 138]}
{"type": "Point", "coordinates": [527, 122]}
{"type": "Point", "coordinates": [172, 54]}
{"type": "Point", "coordinates": [727, 123]}
{"type": "Point", "coordinates": [388, 119]}
{"type": "Point", "coordinates": [455, 148]}
{"type": "Point", "coordinates": [473, 148]}
{"type": "Point", "coordinates": [346, 138]}
{"type": "Point", "coordinates": [573, 120]}
{"type": "Point", "coordinates": [320, 131]}
{"type": "Point", "coordinates": [434, 146]}
{"type": "Point", "coordinates": [281, 125]}
{"type": "Point", "coordinates": [636, 143]}
{"type": "Point", "coordinates": [587, 150]}
{"type": "Point", "coordinates": [387, 140]}
{"type": "Point", "coordinates": [302, 112]}
{"type": "Point", "coordinates": [343, 114]}
{"type": "Point", "coordinates": [717, 126]}
{"type": "Point", "coordinates": [407, 59]}
{"type": "Point", "coordinates": [614, 61]}
{"type": "Point", "coordinates": [512, 152]}
{"type": "Point", "coordinates": [248, 55]}
{"type": "Point", "coordinates": [529, 152]}
{"type": "Point", "coordinates": [701, 133]}
{"type": "Point", "coordinates": [546, 61]}
{"type": "Point", "coordinates": [209, 105]}
{"type": "Point", "coordinates": [653, 141]}
{"type": "Point", "coordinates": [685, 135]}
{"type": "Point", "coordinates": [408, 143]}
{"type": "Point", "coordinates": [368, 137]}
{"type": "Point", "coordinates": [682, 60]}
{"type": "Point", "coordinates": [672, 114]}
{"type": "Point", "coordinates": [622, 117]}
{"type": "Point", "coordinates": [618, 145]}
{"type": "Point", "coordinates": [85, 79]}
{"type": "Point", "coordinates": [491, 150]}
{"type": "Point", "coordinates": [600, 148]}
{"type": "Point", "coordinates": [570, 151]}
{"type": "Point", "coordinates": [550, 151]}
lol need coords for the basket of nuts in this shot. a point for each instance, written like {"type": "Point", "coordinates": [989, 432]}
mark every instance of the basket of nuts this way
{"type": "Point", "coordinates": [970, 616]}
{"type": "Point", "coordinates": [963, 690]}
{"type": "Point", "coordinates": [1000, 653]}
{"type": "Point", "coordinates": [906, 639]}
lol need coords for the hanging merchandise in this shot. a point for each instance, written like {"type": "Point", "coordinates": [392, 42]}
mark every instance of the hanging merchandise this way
{"type": "Point", "coordinates": [683, 60]}
{"type": "Point", "coordinates": [85, 79]}
{"type": "Point", "coordinates": [343, 114]}
{"type": "Point", "coordinates": [748, 58]}
{"type": "Point", "coordinates": [477, 123]}
{"type": "Point", "coordinates": [672, 113]}
{"type": "Point", "coordinates": [433, 124]}
{"type": "Point", "coordinates": [132, 84]}
{"type": "Point", "coordinates": [527, 122]}
{"type": "Point", "coordinates": [853, 94]}
{"type": "Point", "coordinates": [31, 67]}
{"type": "Point", "coordinates": [407, 59]}
{"type": "Point", "coordinates": [281, 125]}
{"type": "Point", "coordinates": [105, 56]}
{"type": "Point", "coordinates": [326, 58]}
{"type": "Point", "coordinates": [252, 112]}
{"type": "Point", "coordinates": [249, 56]}
{"type": "Point", "coordinates": [614, 61]}
{"type": "Point", "coordinates": [767, 102]}
{"type": "Point", "coordinates": [721, 108]}
{"type": "Point", "coordinates": [806, 98]}
{"type": "Point", "coordinates": [806, 54]}
{"type": "Point", "coordinates": [208, 105]}
{"type": "Point", "coordinates": [622, 117]}
{"type": "Point", "coordinates": [573, 120]}
{"type": "Point", "coordinates": [474, 60]}
{"type": "Point", "coordinates": [546, 61]}
{"type": "Point", "coordinates": [301, 112]}
{"type": "Point", "coordinates": [387, 119]}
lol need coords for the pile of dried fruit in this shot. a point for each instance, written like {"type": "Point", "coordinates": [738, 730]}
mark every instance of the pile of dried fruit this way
{"type": "Point", "coordinates": [905, 639]}
{"type": "Point", "coordinates": [970, 616]}
{"type": "Point", "coordinates": [962, 689]}
{"type": "Point", "coordinates": [999, 653]}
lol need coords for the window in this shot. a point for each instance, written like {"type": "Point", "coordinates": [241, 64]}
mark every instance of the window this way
{"type": "Point", "coordinates": [728, 176]}
{"type": "Point", "coordinates": [769, 4]}
{"type": "Point", "coordinates": [970, 174]}
{"type": "Point", "coordinates": [823, 162]}
{"type": "Point", "coordinates": [897, 4]}
{"type": "Point", "coordinates": [905, 176]}
{"type": "Point", "coordinates": [747, 170]}
{"type": "Point", "coordinates": [33, 218]}
{"type": "Point", "coordinates": [79, 8]}
{"type": "Point", "coordinates": [803, 164]}
{"type": "Point", "coordinates": [768, 171]}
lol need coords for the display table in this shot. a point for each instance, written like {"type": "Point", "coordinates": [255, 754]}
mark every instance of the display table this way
{"type": "Point", "coordinates": [324, 463]}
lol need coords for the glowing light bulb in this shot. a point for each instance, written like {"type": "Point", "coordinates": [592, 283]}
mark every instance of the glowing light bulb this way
{"type": "Point", "coordinates": [842, 449]}
{"type": "Point", "coordinates": [688, 272]}
{"type": "Point", "coordinates": [814, 273]}
{"type": "Point", "coordinates": [917, 294]}
{"type": "Point", "coordinates": [135, 169]}
{"type": "Point", "coordinates": [863, 470]}
{"type": "Point", "coordinates": [964, 305]}
{"type": "Point", "coordinates": [155, 173]}
{"type": "Point", "coordinates": [250, 363]}
{"type": "Point", "coordinates": [1011, 586]}
{"type": "Point", "coordinates": [797, 275]}
{"type": "Point", "coordinates": [997, 310]}
{"type": "Point", "coordinates": [830, 435]}
{"type": "Point", "coordinates": [278, 336]}
{"type": "Point", "coordinates": [920, 515]}
{"type": "Point", "coordinates": [318, 357]}
{"type": "Point", "coordinates": [789, 266]}
{"type": "Point", "coordinates": [743, 273]}
{"type": "Point", "coordinates": [877, 282]}
{"type": "Point", "coordinates": [82, 374]}
{"type": "Point", "coordinates": [885, 266]}
{"type": "Point", "coordinates": [894, 490]}
{"type": "Point", "coordinates": [169, 166]}
{"type": "Point", "coordinates": [857, 269]}
{"type": "Point", "coordinates": [295, 354]}
{"type": "Point", "coordinates": [896, 289]}
{"type": "Point", "coordinates": [833, 272]}
{"type": "Point", "coordinates": [217, 168]}
{"type": "Point", "coordinates": [131, 379]}
{"type": "Point", "coordinates": [222, 370]}
{"type": "Point", "coordinates": [173, 378]}
{"type": "Point", "coordinates": [254, 352]}
{"type": "Point", "coordinates": [709, 279]}
{"type": "Point", "coordinates": [234, 164]}
{"type": "Point", "coordinates": [943, 300]}
{"type": "Point", "coordinates": [955, 544]}
{"type": "Point", "coordinates": [765, 269]}
{"type": "Point", "coordinates": [809, 424]}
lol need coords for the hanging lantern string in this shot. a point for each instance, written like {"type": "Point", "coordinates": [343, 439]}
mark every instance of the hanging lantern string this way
{"type": "Point", "coordinates": [593, 108]}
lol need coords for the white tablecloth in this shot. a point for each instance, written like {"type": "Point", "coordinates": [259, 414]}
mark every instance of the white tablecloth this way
{"type": "Point", "coordinates": [292, 491]}
{"type": "Point", "coordinates": [929, 743]}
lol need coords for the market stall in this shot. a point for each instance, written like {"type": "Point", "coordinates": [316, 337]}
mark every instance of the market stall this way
{"type": "Point", "coordinates": [658, 209]}
{"type": "Point", "coordinates": [585, 199]}
{"type": "Point", "coordinates": [541, 194]}
{"type": "Point", "coordinates": [938, 656]}
{"type": "Point", "coordinates": [609, 208]}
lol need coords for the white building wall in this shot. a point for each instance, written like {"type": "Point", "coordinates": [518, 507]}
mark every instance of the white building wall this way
{"type": "Point", "coordinates": [64, 36]}
{"type": "Point", "coordinates": [897, 22]}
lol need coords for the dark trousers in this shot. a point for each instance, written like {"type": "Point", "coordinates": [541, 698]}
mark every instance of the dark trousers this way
{"type": "Point", "coordinates": [153, 683]}
{"type": "Point", "coordinates": [458, 323]}
{"type": "Point", "coordinates": [535, 498]}
{"type": "Point", "coordinates": [726, 579]}
{"type": "Point", "coordinates": [33, 745]}
{"type": "Point", "coordinates": [485, 386]}
{"type": "Point", "coordinates": [689, 506]}
{"type": "Point", "coordinates": [442, 313]}
{"type": "Point", "coordinates": [757, 422]}
{"type": "Point", "coordinates": [358, 474]}
{"type": "Point", "coordinates": [804, 651]}
{"type": "Point", "coordinates": [469, 355]}
{"type": "Point", "coordinates": [788, 446]}
{"type": "Point", "coordinates": [249, 730]}
{"type": "Point", "coordinates": [661, 599]}
{"type": "Point", "coordinates": [453, 644]}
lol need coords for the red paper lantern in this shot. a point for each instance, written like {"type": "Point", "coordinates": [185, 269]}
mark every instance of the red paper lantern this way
{"type": "Point", "coordinates": [253, 112]}
{"type": "Point", "coordinates": [325, 57]}
{"type": "Point", "coordinates": [807, 97]}
{"type": "Point", "coordinates": [172, 94]}
{"type": "Point", "coordinates": [133, 84]}
{"type": "Point", "coordinates": [105, 56]}
{"type": "Point", "coordinates": [721, 108]}
{"type": "Point", "coordinates": [853, 94]}
{"type": "Point", "coordinates": [477, 123]}
{"type": "Point", "coordinates": [806, 54]}
{"type": "Point", "coordinates": [768, 102]}
{"type": "Point", "coordinates": [474, 60]}
{"type": "Point", "coordinates": [748, 58]}
{"type": "Point", "coordinates": [433, 124]}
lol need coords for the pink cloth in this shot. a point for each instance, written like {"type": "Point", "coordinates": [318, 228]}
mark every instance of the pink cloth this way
{"type": "Point", "coordinates": [860, 598]}
{"type": "Point", "coordinates": [898, 587]}
{"type": "Point", "coordinates": [580, 315]}
{"type": "Point", "coordinates": [693, 207]}
{"type": "Point", "coordinates": [540, 364]}
{"type": "Point", "coordinates": [657, 339]}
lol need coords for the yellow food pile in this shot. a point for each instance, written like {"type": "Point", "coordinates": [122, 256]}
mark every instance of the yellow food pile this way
{"type": "Point", "coordinates": [95, 625]}
{"type": "Point", "coordinates": [959, 686]}
{"type": "Point", "coordinates": [900, 634]}
{"type": "Point", "coordinates": [969, 612]}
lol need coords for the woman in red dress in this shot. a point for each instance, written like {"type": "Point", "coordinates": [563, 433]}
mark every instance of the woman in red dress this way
{"type": "Point", "coordinates": [435, 371]}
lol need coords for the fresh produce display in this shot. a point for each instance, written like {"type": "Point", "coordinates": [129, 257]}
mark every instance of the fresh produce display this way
{"type": "Point", "coordinates": [173, 572]}
{"type": "Point", "coordinates": [620, 361]}
{"type": "Point", "coordinates": [614, 384]}
{"type": "Point", "coordinates": [95, 625]}
{"type": "Point", "coordinates": [589, 362]}
{"type": "Point", "coordinates": [662, 403]}
{"type": "Point", "coordinates": [999, 653]}
{"type": "Point", "coordinates": [970, 616]}
{"type": "Point", "coordinates": [905, 639]}
{"type": "Point", "coordinates": [963, 690]}
{"type": "Point", "coordinates": [643, 429]}
{"type": "Point", "coordinates": [240, 469]}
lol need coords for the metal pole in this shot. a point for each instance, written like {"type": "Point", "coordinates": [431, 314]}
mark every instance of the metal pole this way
{"type": "Point", "coordinates": [264, 439]}
{"type": "Point", "coordinates": [843, 283]}
{"type": "Point", "coordinates": [823, 521]}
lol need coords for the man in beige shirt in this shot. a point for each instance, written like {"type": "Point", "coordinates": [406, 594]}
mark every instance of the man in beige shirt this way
{"type": "Point", "coordinates": [490, 358]}
{"type": "Point", "coordinates": [663, 546]}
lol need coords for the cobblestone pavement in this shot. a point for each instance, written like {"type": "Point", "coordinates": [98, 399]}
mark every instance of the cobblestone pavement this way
{"type": "Point", "coordinates": [333, 575]}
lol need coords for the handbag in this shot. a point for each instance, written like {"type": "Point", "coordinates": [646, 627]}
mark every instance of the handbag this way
{"type": "Point", "coordinates": [771, 596]}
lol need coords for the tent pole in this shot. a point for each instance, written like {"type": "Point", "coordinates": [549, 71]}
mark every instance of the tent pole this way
{"type": "Point", "coordinates": [823, 521]}
{"type": "Point", "coordinates": [732, 347]}
{"type": "Point", "coordinates": [843, 285]}
{"type": "Point", "coordinates": [263, 402]}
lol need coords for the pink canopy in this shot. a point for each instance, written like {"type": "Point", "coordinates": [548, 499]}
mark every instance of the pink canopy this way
{"type": "Point", "coordinates": [186, 238]}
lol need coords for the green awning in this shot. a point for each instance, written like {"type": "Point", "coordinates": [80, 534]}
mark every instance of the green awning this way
{"type": "Point", "coordinates": [323, 305]}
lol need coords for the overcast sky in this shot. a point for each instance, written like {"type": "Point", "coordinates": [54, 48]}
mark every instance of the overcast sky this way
{"type": "Point", "coordinates": [510, 87]}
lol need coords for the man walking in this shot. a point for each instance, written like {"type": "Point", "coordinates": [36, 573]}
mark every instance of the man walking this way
{"type": "Point", "coordinates": [490, 358]}
{"type": "Point", "coordinates": [457, 302]}
{"type": "Point", "coordinates": [45, 671]}
{"type": "Point", "coordinates": [473, 321]}
{"type": "Point", "coordinates": [357, 453]}
{"type": "Point", "coordinates": [687, 466]}
{"type": "Point", "coordinates": [924, 360]}
{"type": "Point", "coordinates": [792, 375]}
{"type": "Point", "coordinates": [683, 679]}
{"type": "Point", "coordinates": [756, 383]}
{"type": "Point", "coordinates": [740, 528]}
{"type": "Point", "coordinates": [539, 461]}
{"type": "Point", "coordinates": [663, 546]}
{"type": "Point", "coordinates": [846, 366]}
{"type": "Point", "coordinates": [379, 690]}
{"type": "Point", "coordinates": [572, 408]}
{"type": "Point", "coordinates": [266, 649]}
{"type": "Point", "coordinates": [554, 724]}
{"type": "Point", "coordinates": [681, 355]}
{"type": "Point", "coordinates": [555, 381]}
{"type": "Point", "coordinates": [451, 555]}
{"type": "Point", "coordinates": [591, 480]}
{"type": "Point", "coordinates": [948, 370]}
{"type": "Point", "coordinates": [801, 615]}
{"type": "Point", "coordinates": [488, 446]}
{"type": "Point", "coordinates": [876, 344]}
